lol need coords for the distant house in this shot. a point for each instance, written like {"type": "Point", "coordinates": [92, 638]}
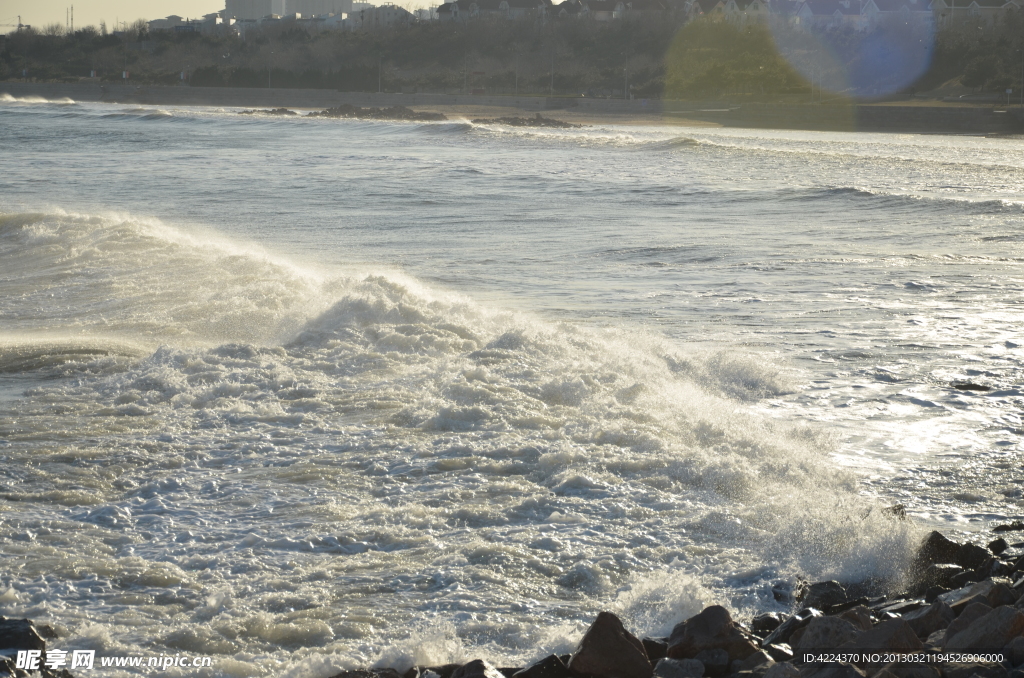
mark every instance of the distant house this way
{"type": "Point", "coordinates": [983, 11]}
{"type": "Point", "coordinates": [387, 15]}
{"type": "Point", "coordinates": [463, 10]}
{"type": "Point", "coordinates": [168, 24]}
{"type": "Point", "coordinates": [707, 9]}
{"type": "Point", "coordinates": [902, 11]}
{"type": "Point", "coordinates": [832, 14]}
{"type": "Point", "coordinates": [746, 11]}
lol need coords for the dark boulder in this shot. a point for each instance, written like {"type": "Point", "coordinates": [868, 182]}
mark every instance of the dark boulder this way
{"type": "Point", "coordinates": [608, 650]}
{"type": "Point", "coordinates": [787, 628]}
{"type": "Point", "coordinates": [656, 648]}
{"type": "Point", "coordinates": [927, 620]}
{"type": "Point", "coordinates": [716, 662]}
{"type": "Point", "coordinates": [763, 624]}
{"type": "Point", "coordinates": [824, 594]}
{"type": "Point", "coordinates": [20, 634]}
{"type": "Point", "coordinates": [712, 629]}
{"type": "Point", "coordinates": [678, 668]}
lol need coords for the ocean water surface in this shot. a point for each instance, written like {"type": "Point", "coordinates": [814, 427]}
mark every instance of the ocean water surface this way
{"type": "Point", "coordinates": [304, 395]}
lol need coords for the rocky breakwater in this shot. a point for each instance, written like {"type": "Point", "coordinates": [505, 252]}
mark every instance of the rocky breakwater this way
{"type": "Point", "coordinates": [962, 617]}
{"type": "Point", "coordinates": [392, 113]}
{"type": "Point", "coordinates": [537, 121]}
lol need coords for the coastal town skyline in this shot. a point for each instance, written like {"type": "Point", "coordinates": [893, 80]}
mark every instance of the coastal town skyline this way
{"type": "Point", "coordinates": [40, 13]}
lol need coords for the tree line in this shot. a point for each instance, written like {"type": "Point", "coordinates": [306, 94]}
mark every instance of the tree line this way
{"type": "Point", "coordinates": [650, 58]}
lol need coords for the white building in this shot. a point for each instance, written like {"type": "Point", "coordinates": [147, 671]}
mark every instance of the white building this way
{"type": "Point", "coordinates": [256, 9]}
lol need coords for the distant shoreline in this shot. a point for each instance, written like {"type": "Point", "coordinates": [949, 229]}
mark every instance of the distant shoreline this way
{"type": "Point", "coordinates": [912, 117]}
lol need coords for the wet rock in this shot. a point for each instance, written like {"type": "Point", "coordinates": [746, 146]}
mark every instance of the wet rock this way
{"type": "Point", "coordinates": [608, 650]}
{"type": "Point", "coordinates": [940, 574]}
{"type": "Point", "coordinates": [763, 624]}
{"type": "Point", "coordinates": [785, 592]}
{"type": "Point", "coordinates": [478, 668]}
{"type": "Point", "coordinates": [968, 616]}
{"type": "Point", "coordinates": [826, 633]}
{"type": "Point", "coordinates": [903, 607]}
{"type": "Point", "coordinates": [790, 626]}
{"type": "Point", "coordinates": [712, 629]}
{"type": "Point", "coordinates": [972, 556]}
{"type": "Point", "coordinates": [936, 548]}
{"type": "Point", "coordinates": [893, 635]}
{"type": "Point", "coordinates": [782, 670]}
{"type": "Point", "coordinates": [933, 593]}
{"type": "Point", "coordinates": [656, 648]}
{"type": "Point", "coordinates": [715, 661]}
{"type": "Point", "coordinates": [444, 671]}
{"type": "Point", "coordinates": [884, 673]}
{"type": "Point", "coordinates": [928, 620]}
{"type": "Point", "coordinates": [551, 666]}
{"type": "Point", "coordinates": [965, 577]}
{"type": "Point", "coordinates": [997, 546]}
{"type": "Point", "coordinates": [780, 652]}
{"type": "Point", "coordinates": [824, 594]}
{"type": "Point", "coordinates": [859, 616]}
{"type": "Point", "coordinates": [1015, 526]}
{"type": "Point", "coordinates": [990, 632]}
{"type": "Point", "coordinates": [20, 634]}
{"type": "Point", "coordinates": [678, 668]}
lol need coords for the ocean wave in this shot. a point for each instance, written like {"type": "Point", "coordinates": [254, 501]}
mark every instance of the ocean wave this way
{"type": "Point", "coordinates": [31, 99]}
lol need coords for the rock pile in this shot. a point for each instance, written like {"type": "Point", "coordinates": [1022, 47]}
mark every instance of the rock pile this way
{"type": "Point", "coordinates": [392, 113]}
{"type": "Point", "coordinates": [268, 111]}
{"type": "Point", "coordinates": [962, 618]}
{"type": "Point", "coordinates": [537, 121]}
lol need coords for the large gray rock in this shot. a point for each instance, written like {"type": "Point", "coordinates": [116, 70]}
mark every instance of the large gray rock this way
{"type": "Point", "coordinates": [712, 629]}
{"type": "Point", "coordinates": [991, 632]}
{"type": "Point", "coordinates": [859, 616]}
{"type": "Point", "coordinates": [608, 650]}
{"type": "Point", "coordinates": [784, 633]}
{"type": "Point", "coordinates": [826, 633]}
{"type": "Point", "coordinates": [970, 614]}
{"type": "Point", "coordinates": [824, 594]}
{"type": "Point", "coordinates": [928, 620]}
{"type": "Point", "coordinates": [678, 668]}
{"type": "Point", "coordinates": [1001, 594]}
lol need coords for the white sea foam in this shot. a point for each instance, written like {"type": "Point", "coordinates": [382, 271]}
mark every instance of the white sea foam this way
{"type": "Point", "coordinates": [467, 460]}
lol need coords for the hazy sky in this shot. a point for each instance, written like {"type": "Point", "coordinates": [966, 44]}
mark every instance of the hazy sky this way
{"type": "Point", "coordinates": [89, 12]}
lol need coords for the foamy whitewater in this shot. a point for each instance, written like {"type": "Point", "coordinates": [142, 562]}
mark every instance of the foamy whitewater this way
{"type": "Point", "coordinates": [304, 395]}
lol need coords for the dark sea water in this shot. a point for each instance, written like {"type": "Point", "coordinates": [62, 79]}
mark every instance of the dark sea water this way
{"type": "Point", "coordinates": [311, 394]}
